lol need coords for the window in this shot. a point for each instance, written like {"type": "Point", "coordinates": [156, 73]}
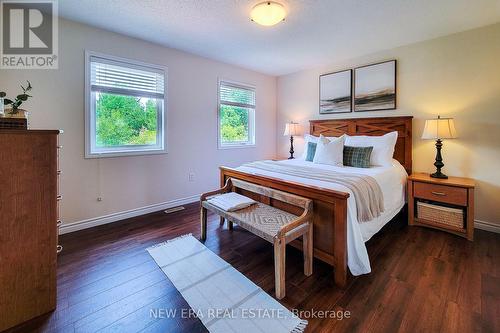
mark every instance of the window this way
{"type": "Point", "coordinates": [236, 115]}
{"type": "Point", "coordinates": [124, 107]}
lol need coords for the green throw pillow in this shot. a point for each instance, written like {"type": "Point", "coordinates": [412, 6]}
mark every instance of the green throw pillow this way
{"type": "Point", "coordinates": [358, 157]}
{"type": "Point", "coordinates": [311, 151]}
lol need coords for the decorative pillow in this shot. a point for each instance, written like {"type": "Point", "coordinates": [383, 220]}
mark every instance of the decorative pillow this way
{"type": "Point", "coordinates": [308, 138]}
{"type": "Point", "coordinates": [311, 138]}
{"type": "Point", "coordinates": [358, 157]}
{"type": "Point", "coordinates": [329, 151]}
{"type": "Point", "coordinates": [310, 151]}
{"type": "Point", "coordinates": [383, 146]}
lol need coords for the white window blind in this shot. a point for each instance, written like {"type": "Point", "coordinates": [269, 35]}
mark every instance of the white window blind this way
{"type": "Point", "coordinates": [116, 77]}
{"type": "Point", "coordinates": [236, 95]}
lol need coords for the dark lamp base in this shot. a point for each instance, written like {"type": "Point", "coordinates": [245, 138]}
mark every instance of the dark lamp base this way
{"type": "Point", "coordinates": [439, 162]}
{"type": "Point", "coordinates": [439, 175]}
{"type": "Point", "coordinates": [291, 147]}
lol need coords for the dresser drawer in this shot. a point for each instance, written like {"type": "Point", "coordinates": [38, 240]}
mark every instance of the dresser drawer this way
{"type": "Point", "coordinates": [440, 193]}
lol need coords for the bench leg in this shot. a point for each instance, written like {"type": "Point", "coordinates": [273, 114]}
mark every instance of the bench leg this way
{"type": "Point", "coordinates": [279, 267]}
{"type": "Point", "coordinates": [307, 249]}
{"type": "Point", "coordinates": [229, 223]}
{"type": "Point", "coordinates": [203, 222]}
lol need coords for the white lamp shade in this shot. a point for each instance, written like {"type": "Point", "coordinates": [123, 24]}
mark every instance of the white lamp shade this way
{"type": "Point", "coordinates": [292, 129]}
{"type": "Point", "coordinates": [441, 128]}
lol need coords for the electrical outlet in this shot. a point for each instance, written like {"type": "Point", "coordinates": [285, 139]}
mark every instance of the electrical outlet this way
{"type": "Point", "coordinates": [191, 177]}
{"type": "Point", "coordinates": [99, 199]}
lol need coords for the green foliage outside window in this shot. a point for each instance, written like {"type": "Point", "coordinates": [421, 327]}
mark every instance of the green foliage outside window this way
{"type": "Point", "coordinates": [234, 124]}
{"type": "Point", "coordinates": [125, 120]}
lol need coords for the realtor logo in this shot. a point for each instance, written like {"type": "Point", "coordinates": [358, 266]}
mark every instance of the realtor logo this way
{"type": "Point", "coordinates": [28, 34]}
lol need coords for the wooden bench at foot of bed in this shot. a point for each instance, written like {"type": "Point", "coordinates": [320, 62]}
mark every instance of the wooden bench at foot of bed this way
{"type": "Point", "coordinates": [270, 223]}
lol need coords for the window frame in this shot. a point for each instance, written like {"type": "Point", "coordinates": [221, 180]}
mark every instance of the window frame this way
{"type": "Point", "coordinates": [252, 143]}
{"type": "Point", "coordinates": [90, 102]}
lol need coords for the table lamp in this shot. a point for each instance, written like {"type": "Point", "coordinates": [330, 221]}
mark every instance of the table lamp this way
{"type": "Point", "coordinates": [437, 129]}
{"type": "Point", "coordinates": [292, 129]}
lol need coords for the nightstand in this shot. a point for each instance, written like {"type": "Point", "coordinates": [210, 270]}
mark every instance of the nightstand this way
{"type": "Point", "coordinates": [444, 204]}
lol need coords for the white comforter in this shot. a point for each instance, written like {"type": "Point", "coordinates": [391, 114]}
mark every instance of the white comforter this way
{"type": "Point", "coordinates": [392, 180]}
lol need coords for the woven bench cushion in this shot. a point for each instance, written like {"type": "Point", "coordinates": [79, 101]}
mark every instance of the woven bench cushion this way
{"type": "Point", "coordinates": [260, 219]}
{"type": "Point", "coordinates": [263, 220]}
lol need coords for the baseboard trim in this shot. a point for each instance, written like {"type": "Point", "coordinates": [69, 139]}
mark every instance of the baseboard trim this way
{"type": "Point", "coordinates": [100, 220]}
{"type": "Point", "coordinates": [487, 226]}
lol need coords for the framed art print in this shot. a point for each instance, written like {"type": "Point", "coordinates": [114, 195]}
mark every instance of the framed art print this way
{"type": "Point", "coordinates": [375, 87]}
{"type": "Point", "coordinates": [335, 92]}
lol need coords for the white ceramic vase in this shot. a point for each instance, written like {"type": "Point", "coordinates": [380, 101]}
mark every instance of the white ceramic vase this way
{"type": "Point", "coordinates": [2, 107]}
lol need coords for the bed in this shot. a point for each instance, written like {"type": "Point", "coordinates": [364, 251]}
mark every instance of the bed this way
{"type": "Point", "coordinates": [336, 231]}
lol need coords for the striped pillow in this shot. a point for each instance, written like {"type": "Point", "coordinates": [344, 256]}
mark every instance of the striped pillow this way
{"type": "Point", "coordinates": [358, 157]}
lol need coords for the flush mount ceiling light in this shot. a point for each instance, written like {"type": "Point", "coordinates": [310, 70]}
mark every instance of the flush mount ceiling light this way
{"type": "Point", "coordinates": [268, 13]}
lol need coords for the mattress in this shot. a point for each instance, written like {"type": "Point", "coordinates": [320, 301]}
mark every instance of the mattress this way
{"type": "Point", "coordinates": [392, 181]}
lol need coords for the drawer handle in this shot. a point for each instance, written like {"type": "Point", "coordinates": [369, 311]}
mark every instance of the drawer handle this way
{"type": "Point", "coordinates": [442, 194]}
{"type": "Point", "coordinates": [59, 197]}
{"type": "Point", "coordinates": [59, 249]}
{"type": "Point", "coordinates": [59, 223]}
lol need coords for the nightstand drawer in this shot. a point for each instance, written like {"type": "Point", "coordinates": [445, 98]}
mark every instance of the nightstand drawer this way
{"type": "Point", "coordinates": [440, 193]}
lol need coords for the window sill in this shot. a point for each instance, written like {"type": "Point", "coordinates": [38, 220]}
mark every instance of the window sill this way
{"type": "Point", "coordinates": [236, 146]}
{"type": "Point", "coordinates": [125, 153]}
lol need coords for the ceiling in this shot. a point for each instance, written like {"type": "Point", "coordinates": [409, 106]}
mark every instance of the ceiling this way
{"type": "Point", "coordinates": [315, 32]}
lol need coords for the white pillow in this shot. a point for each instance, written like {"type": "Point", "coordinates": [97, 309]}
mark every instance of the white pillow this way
{"type": "Point", "coordinates": [311, 138]}
{"type": "Point", "coordinates": [383, 146]}
{"type": "Point", "coordinates": [329, 151]}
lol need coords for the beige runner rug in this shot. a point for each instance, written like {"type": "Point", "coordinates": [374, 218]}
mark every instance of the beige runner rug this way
{"type": "Point", "coordinates": [220, 296]}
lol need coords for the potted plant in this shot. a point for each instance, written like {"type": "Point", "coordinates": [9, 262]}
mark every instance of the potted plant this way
{"type": "Point", "coordinates": [15, 111]}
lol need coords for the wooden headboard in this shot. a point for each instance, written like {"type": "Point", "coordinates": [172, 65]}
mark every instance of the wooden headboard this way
{"type": "Point", "coordinates": [371, 126]}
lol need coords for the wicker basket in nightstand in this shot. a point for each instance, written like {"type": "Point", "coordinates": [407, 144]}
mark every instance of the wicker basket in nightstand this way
{"type": "Point", "coordinates": [438, 214]}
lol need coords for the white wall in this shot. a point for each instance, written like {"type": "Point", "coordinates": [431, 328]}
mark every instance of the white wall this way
{"type": "Point", "coordinates": [127, 183]}
{"type": "Point", "coordinates": [457, 76]}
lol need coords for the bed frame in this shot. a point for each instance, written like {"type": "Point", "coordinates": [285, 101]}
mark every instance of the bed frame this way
{"type": "Point", "coordinates": [330, 207]}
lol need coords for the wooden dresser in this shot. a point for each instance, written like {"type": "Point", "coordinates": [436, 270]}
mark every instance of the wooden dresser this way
{"type": "Point", "coordinates": [28, 224]}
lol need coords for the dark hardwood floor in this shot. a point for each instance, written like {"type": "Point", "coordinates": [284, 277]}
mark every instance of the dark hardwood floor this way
{"type": "Point", "coordinates": [422, 280]}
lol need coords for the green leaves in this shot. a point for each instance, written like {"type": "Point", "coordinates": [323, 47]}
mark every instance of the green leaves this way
{"type": "Point", "coordinates": [19, 98]}
{"type": "Point", "coordinates": [125, 120]}
{"type": "Point", "coordinates": [234, 123]}
{"type": "Point", "coordinates": [28, 87]}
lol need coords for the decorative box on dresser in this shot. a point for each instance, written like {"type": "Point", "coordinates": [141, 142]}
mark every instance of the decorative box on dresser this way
{"type": "Point", "coordinates": [28, 224]}
{"type": "Point", "coordinates": [445, 204]}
